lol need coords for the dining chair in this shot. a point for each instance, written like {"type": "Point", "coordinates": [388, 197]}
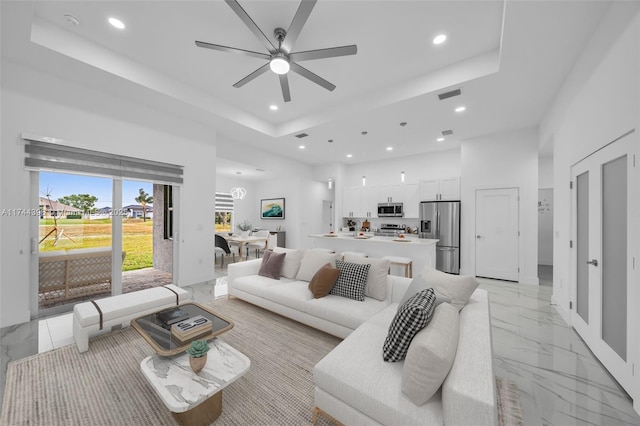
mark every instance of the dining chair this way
{"type": "Point", "coordinates": [259, 245]}
{"type": "Point", "coordinates": [222, 248]}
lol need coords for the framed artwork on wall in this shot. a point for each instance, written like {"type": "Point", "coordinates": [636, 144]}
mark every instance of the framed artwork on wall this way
{"type": "Point", "coordinates": [272, 208]}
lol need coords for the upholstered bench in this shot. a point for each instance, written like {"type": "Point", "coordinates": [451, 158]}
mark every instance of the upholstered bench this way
{"type": "Point", "coordinates": [98, 316]}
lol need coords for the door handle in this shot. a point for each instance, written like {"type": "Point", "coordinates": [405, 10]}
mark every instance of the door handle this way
{"type": "Point", "coordinates": [593, 262]}
{"type": "Point", "coordinates": [478, 236]}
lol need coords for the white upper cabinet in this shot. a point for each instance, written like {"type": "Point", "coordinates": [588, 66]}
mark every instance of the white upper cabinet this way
{"type": "Point", "coordinates": [440, 189]}
{"type": "Point", "coordinates": [369, 201]}
{"type": "Point", "coordinates": [351, 197]}
{"type": "Point", "coordinates": [390, 193]}
{"type": "Point", "coordinates": [411, 200]}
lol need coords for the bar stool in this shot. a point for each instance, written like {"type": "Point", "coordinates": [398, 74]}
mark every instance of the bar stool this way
{"type": "Point", "coordinates": [354, 253]}
{"type": "Point", "coordinates": [403, 262]}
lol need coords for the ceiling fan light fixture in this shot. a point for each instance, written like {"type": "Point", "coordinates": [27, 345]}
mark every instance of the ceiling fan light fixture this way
{"type": "Point", "coordinates": [279, 64]}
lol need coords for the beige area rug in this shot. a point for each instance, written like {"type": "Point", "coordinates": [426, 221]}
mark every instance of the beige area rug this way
{"type": "Point", "coordinates": [510, 411]}
{"type": "Point", "coordinates": [104, 386]}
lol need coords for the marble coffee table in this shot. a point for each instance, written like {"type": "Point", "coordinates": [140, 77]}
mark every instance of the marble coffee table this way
{"type": "Point", "coordinates": [195, 399]}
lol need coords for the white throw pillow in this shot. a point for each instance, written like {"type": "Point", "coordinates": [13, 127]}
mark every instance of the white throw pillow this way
{"type": "Point", "coordinates": [431, 355]}
{"type": "Point", "coordinates": [420, 283]}
{"type": "Point", "coordinates": [377, 278]}
{"type": "Point", "coordinates": [458, 288]}
{"type": "Point", "coordinates": [291, 262]}
{"type": "Point", "coordinates": [312, 260]}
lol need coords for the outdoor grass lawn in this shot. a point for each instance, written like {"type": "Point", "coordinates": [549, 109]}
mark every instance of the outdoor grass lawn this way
{"type": "Point", "coordinates": [137, 238]}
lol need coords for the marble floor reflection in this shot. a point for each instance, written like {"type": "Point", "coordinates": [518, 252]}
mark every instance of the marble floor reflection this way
{"type": "Point", "coordinates": [561, 383]}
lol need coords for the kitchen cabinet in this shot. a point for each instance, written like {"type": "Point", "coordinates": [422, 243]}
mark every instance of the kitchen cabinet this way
{"type": "Point", "coordinates": [440, 189]}
{"type": "Point", "coordinates": [369, 201]}
{"type": "Point", "coordinates": [411, 200]}
{"type": "Point", "coordinates": [351, 198]}
{"type": "Point", "coordinates": [358, 201]}
{"type": "Point", "coordinates": [390, 193]}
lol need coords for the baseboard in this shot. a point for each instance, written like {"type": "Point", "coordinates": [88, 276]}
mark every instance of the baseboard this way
{"type": "Point", "coordinates": [530, 280]}
{"type": "Point", "coordinates": [561, 310]}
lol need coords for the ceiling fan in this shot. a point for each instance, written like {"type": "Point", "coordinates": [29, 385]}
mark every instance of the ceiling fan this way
{"type": "Point", "coordinates": [282, 59]}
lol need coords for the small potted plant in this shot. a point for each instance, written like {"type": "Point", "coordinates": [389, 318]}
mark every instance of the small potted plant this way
{"type": "Point", "coordinates": [198, 355]}
{"type": "Point", "coordinates": [244, 227]}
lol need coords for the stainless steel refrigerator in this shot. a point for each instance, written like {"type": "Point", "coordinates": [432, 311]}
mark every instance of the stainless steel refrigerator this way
{"type": "Point", "coordinates": [441, 220]}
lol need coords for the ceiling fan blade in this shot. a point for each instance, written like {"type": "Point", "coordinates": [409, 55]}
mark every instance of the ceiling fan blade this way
{"type": "Point", "coordinates": [232, 50]}
{"type": "Point", "coordinates": [330, 52]}
{"type": "Point", "coordinates": [284, 84]}
{"type": "Point", "coordinates": [253, 75]}
{"type": "Point", "coordinates": [244, 16]}
{"type": "Point", "coordinates": [302, 14]}
{"type": "Point", "coordinates": [311, 76]}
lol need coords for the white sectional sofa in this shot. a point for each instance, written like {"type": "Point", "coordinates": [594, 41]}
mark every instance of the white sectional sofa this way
{"type": "Point", "coordinates": [353, 383]}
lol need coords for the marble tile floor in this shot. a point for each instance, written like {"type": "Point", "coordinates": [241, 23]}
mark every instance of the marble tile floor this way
{"type": "Point", "coordinates": [560, 381]}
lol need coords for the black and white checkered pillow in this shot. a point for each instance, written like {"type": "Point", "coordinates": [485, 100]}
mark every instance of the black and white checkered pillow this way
{"type": "Point", "coordinates": [352, 280]}
{"type": "Point", "coordinates": [412, 316]}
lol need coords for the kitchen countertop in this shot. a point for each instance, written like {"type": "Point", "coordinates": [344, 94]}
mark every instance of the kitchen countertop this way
{"type": "Point", "coordinates": [410, 239]}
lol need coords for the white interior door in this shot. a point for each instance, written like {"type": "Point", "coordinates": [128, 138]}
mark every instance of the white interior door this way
{"type": "Point", "coordinates": [604, 214]}
{"type": "Point", "coordinates": [497, 233]}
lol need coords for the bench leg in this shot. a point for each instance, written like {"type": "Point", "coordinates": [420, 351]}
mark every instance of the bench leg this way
{"type": "Point", "coordinates": [82, 340]}
{"type": "Point", "coordinates": [317, 411]}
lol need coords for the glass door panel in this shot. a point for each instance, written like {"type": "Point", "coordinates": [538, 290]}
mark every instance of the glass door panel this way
{"type": "Point", "coordinates": [582, 243]}
{"type": "Point", "coordinates": [614, 255]}
{"type": "Point", "coordinates": [74, 241]}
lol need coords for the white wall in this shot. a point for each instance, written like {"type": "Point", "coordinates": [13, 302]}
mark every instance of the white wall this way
{"type": "Point", "coordinates": [598, 103]}
{"type": "Point", "coordinates": [40, 104]}
{"type": "Point", "coordinates": [545, 172]}
{"type": "Point", "coordinates": [429, 165]}
{"type": "Point", "coordinates": [501, 161]}
{"type": "Point", "coordinates": [545, 226]}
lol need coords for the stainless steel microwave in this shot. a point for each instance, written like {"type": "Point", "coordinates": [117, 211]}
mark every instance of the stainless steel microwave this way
{"type": "Point", "coordinates": [390, 210]}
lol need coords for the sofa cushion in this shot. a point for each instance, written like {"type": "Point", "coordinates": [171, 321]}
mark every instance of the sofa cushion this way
{"type": "Point", "coordinates": [411, 317]}
{"type": "Point", "coordinates": [258, 285]}
{"type": "Point", "coordinates": [293, 294]}
{"type": "Point", "coordinates": [458, 288]}
{"type": "Point", "coordinates": [377, 278]}
{"type": "Point", "coordinates": [345, 312]}
{"type": "Point", "coordinates": [271, 265]}
{"type": "Point", "coordinates": [417, 284]}
{"type": "Point", "coordinates": [431, 355]}
{"type": "Point", "coordinates": [354, 372]}
{"type": "Point", "coordinates": [351, 281]}
{"type": "Point", "coordinates": [312, 260]}
{"type": "Point", "coordinates": [323, 281]}
{"type": "Point", "coordinates": [291, 263]}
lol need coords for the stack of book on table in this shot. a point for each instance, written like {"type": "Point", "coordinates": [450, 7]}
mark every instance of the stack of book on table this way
{"type": "Point", "coordinates": [191, 329]}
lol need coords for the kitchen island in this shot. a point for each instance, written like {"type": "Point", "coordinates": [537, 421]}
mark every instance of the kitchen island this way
{"type": "Point", "coordinates": [421, 251]}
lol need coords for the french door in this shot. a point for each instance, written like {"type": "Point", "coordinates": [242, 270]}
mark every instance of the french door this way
{"type": "Point", "coordinates": [604, 217]}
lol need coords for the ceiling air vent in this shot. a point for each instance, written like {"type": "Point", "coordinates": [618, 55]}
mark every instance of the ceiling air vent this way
{"type": "Point", "coordinates": [451, 94]}
{"type": "Point", "coordinates": [301, 135]}
{"type": "Point", "coordinates": [447, 132]}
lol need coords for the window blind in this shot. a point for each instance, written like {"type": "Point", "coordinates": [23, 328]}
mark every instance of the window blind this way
{"type": "Point", "coordinates": [49, 156]}
{"type": "Point", "coordinates": [224, 202]}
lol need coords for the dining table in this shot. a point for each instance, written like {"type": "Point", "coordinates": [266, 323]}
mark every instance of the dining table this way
{"type": "Point", "coordinates": [242, 240]}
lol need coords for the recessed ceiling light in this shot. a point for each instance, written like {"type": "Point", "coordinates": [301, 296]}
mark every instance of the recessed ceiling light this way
{"type": "Point", "coordinates": [461, 108]}
{"type": "Point", "coordinates": [439, 39]}
{"type": "Point", "coordinates": [349, 155]}
{"type": "Point", "coordinates": [273, 107]}
{"type": "Point", "coordinates": [117, 23]}
{"type": "Point", "coordinates": [330, 141]}
{"type": "Point", "coordinates": [440, 139]}
{"type": "Point", "coordinates": [404, 123]}
{"type": "Point", "coordinates": [389, 148]}
{"type": "Point", "coordinates": [238, 173]}
{"type": "Point", "coordinates": [301, 146]}
{"type": "Point", "coordinates": [364, 132]}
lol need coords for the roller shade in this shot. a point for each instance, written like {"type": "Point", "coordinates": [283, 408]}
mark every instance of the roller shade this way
{"type": "Point", "coordinates": [224, 202]}
{"type": "Point", "coordinates": [49, 156]}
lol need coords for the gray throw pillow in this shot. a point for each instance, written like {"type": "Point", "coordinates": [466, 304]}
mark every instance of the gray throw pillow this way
{"type": "Point", "coordinates": [420, 283]}
{"type": "Point", "coordinates": [271, 265]}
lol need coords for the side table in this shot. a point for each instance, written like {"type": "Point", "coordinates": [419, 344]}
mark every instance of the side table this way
{"type": "Point", "coordinates": [195, 399]}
